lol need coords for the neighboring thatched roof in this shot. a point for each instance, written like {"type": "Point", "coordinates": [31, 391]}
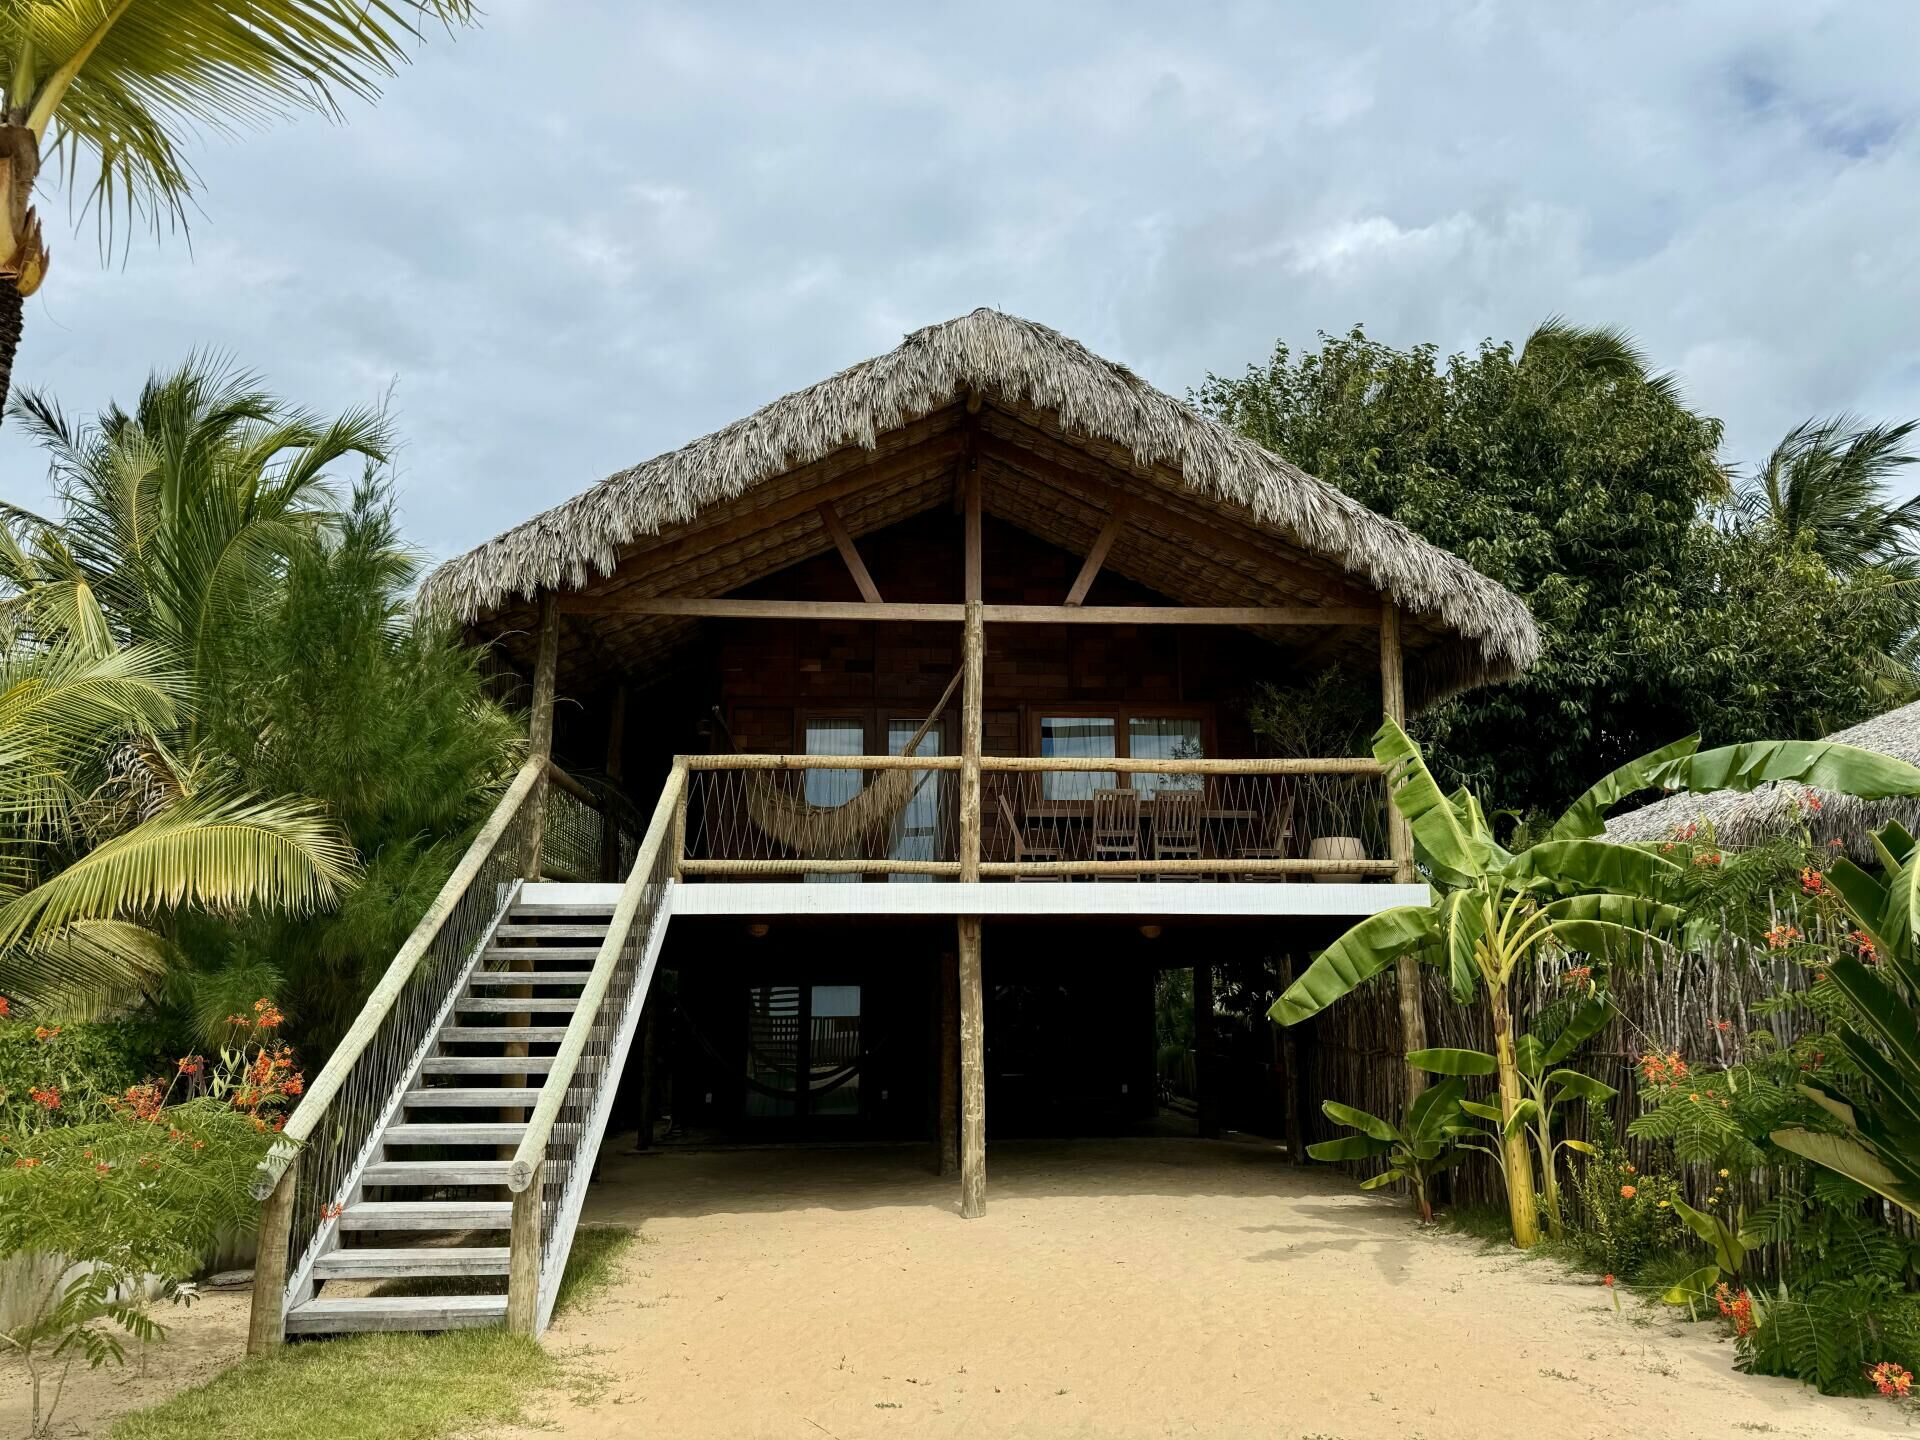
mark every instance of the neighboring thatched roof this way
{"type": "Point", "coordinates": [1739, 820]}
{"type": "Point", "coordinates": [1031, 387]}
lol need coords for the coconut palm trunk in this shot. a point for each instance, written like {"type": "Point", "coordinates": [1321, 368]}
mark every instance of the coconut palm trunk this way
{"type": "Point", "coordinates": [23, 258]}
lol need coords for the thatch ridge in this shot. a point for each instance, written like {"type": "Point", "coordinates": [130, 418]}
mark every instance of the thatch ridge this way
{"type": "Point", "coordinates": [1014, 360]}
{"type": "Point", "coordinates": [1738, 820]}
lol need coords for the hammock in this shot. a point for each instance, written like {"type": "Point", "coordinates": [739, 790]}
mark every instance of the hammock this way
{"type": "Point", "coordinates": [861, 827]}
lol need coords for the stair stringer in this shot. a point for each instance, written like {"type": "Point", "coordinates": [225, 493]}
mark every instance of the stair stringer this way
{"type": "Point", "coordinates": [568, 1217]}
{"type": "Point", "coordinates": [300, 1277]}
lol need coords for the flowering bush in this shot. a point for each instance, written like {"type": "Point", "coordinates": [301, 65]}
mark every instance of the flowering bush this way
{"type": "Point", "coordinates": [136, 1193]}
{"type": "Point", "coordinates": [1628, 1216]}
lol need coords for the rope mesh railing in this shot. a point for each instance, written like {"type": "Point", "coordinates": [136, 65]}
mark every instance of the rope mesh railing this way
{"type": "Point", "coordinates": [814, 818]}
{"type": "Point", "coordinates": [340, 1118]}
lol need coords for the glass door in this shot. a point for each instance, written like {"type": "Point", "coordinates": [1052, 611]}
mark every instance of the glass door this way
{"type": "Point", "coordinates": [834, 735]}
{"type": "Point", "coordinates": [804, 1051]}
{"type": "Point", "coordinates": [919, 833]}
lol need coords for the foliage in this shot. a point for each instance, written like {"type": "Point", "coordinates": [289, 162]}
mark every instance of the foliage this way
{"type": "Point", "coordinates": [1494, 909]}
{"type": "Point", "coordinates": [104, 834]}
{"type": "Point", "coordinates": [1826, 483]}
{"type": "Point", "coordinates": [83, 1061]}
{"type": "Point", "coordinates": [1330, 714]}
{"type": "Point", "coordinates": [1832, 1335]}
{"type": "Point", "coordinates": [1569, 473]}
{"type": "Point", "coordinates": [203, 525]}
{"type": "Point", "coordinates": [1627, 1215]}
{"type": "Point", "coordinates": [1548, 1084]}
{"type": "Point", "coordinates": [1416, 1149]}
{"type": "Point", "coordinates": [134, 1196]}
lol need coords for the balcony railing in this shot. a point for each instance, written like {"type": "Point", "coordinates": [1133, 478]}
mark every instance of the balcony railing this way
{"type": "Point", "coordinates": [852, 817]}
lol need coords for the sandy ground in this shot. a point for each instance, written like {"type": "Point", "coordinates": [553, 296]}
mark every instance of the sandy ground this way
{"type": "Point", "coordinates": [1114, 1289]}
{"type": "Point", "coordinates": [1118, 1289]}
{"type": "Point", "coordinates": [202, 1340]}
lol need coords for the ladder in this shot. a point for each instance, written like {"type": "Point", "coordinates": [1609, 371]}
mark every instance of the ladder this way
{"type": "Point", "coordinates": [433, 1174]}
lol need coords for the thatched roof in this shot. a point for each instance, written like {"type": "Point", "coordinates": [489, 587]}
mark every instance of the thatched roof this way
{"type": "Point", "coordinates": [1739, 820]}
{"type": "Point", "coordinates": [1036, 412]}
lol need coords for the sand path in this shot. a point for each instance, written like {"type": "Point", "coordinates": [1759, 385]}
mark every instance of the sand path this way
{"type": "Point", "coordinates": [1117, 1289]}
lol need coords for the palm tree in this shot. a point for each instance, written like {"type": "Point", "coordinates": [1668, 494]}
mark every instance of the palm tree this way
{"type": "Point", "coordinates": [103, 834]}
{"type": "Point", "coordinates": [1826, 483]}
{"type": "Point", "coordinates": [119, 87]}
{"type": "Point", "coordinates": [179, 517]}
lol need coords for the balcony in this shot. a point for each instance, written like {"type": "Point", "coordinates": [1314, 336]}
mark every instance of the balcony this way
{"type": "Point", "coordinates": [883, 818]}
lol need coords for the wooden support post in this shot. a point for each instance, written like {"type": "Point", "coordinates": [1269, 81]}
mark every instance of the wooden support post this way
{"type": "Point", "coordinates": [649, 1057]}
{"type": "Point", "coordinates": [523, 1259]}
{"type": "Point", "coordinates": [615, 768]}
{"type": "Point", "coordinates": [1406, 970]}
{"type": "Point", "coordinates": [267, 1321]}
{"type": "Point", "coordinates": [540, 727]}
{"type": "Point", "coordinates": [677, 841]}
{"type": "Point", "coordinates": [1206, 1096]}
{"type": "Point", "coordinates": [1097, 556]}
{"type": "Point", "coordinates": [1287, 1055]}
{"type": "Point", "coordinates": [973, 1057]}
{"type": "Point", "coordinates": [949, 1050]}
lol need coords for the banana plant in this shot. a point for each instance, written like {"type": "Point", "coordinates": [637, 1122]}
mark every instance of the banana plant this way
{"type": "Point", "coordinates": [1546, 1083]}
{"type": "Point", "coordinates": [1729, 1246]}
{"type": "Point", "coordinates": [1876, 1136]}
{"type": "Point", "coordinates": [1416, 1150]}
{"type": "Point", "coordinates": [1493, 908]}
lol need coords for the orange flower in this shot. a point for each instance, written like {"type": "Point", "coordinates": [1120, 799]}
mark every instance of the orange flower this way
{"type": "Point", "coordinates": [1891, 1379]}
{"type": "Point", "coordinates": [1627, 1192]}
{"type": "Point", "coordinates": [43, 1034]}
{"type": "Point", "coordinates": [1812, 882]}
{"type": "Point", "coordinates": [191, 1064]}
{"type": "Point", "coordinates": [1736, 1307]}
{"type": "Point", "coordinates": [26, 1162]}
{"type": "Point", "coordinates": [332, 1211]}
{"type": "Point", "coordinates": [47, 1099]}
{"type": "Point", "coordinates": [6, 1008]}
{"type": "Point", "coordinates": [1811, 800]}
{"type": "Point", "coordinates": [1781, 936]}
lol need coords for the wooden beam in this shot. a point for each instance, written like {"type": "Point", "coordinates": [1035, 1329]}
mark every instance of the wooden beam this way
{"type": "Point", "coordinates": [972, 590]}
{"type": "Point", "coordinates": [1104, 494]}
{"type": "Point", "coordinates": [267, 1320]}
{"type": "Point", "coordinates": [1406, 970]}
{"type": "Point", "coordinates": [843, 542]}
{"type": "Point", "coordinates": [716, 608]}
{"type": "Point", "coordinates": [1097, 556]}
{"type": "Point", "coordinates": [540, 728]}
{"type": "Point", "coordinates": [1241, 615]}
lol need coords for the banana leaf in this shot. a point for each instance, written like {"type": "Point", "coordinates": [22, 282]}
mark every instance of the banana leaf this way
{"type": "Point", "coordinates": [1370, 1125]}
{"type": "Point", "coordinates": [1587, 816]}
{"type": "Point", "coordinates": [1455, 854]}
{"type": "Point", "coordinates": [1357, 956]}
{"type": "Point", "coordinates": [1442, 1061]}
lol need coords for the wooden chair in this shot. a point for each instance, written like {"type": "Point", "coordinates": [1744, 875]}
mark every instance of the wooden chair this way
{"type": "Point", "coordinates": [1176, 829]}
{"type": "Point", "coordinates": [1116, 827]}
{"type": "Point", "coordinates": [1276, 840]}
{"type": "Point", "coordinates": [1020, 846]}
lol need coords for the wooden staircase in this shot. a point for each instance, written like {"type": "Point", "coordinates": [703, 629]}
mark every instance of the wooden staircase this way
{"type": "Point", "coordinates": [421, 1243]}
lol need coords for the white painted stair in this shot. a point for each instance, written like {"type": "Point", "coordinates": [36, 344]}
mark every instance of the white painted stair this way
{"type": "Point", "coordinates": [430, 1203]}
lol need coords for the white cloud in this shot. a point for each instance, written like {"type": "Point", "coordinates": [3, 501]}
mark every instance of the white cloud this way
{"type": "Point", "coordinates": [588, 232]}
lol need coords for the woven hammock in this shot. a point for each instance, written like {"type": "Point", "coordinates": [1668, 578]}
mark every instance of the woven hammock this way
{"type": "Point", "coordinates": [860, 827]}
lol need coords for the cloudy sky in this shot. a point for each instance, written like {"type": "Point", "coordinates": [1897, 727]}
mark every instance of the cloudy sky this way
{"type": "Point", "coordinates": [584, 233]}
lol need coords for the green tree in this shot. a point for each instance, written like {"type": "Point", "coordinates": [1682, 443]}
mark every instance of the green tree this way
{"type": "Point", "coordinates": [1827, 483]}
{"type": "Point", "coordinates": [1495, 909]}
{"type": "Point", "coordinates": [118, 87]}
{"type": "Point", "coordinates": [1568, 472]}
{"type": "Point", "coordinates": [105, 836]}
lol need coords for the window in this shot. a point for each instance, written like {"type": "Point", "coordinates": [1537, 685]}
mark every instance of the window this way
{"type": "Point", "coordinates": [920, 832]}
{"type": "Point", "coordinates": [1151, 737]}
{"type": "Point", "coordinates": [773, 1049]}
{"type": "Point", "coordinates": [1076, 737]}
{"type": "Point", "coordinates": [810, 1031]}
{"type": "Point", "coordinates": [834, 735]}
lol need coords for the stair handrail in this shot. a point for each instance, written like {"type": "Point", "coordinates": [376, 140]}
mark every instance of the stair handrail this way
{"type": "Point", "coordinates": [319, 1095]}
{"type": "Point", "coordinates": [553, 1093]}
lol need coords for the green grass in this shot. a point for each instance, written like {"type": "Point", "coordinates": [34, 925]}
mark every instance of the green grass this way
{"type": "Point", "coordinates": [386, 1387]}
{"type": "Point", "coordinates": [367, 1387]}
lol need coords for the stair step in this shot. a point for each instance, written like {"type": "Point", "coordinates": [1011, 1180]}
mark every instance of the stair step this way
{"type": "Point", "coordinates": [542, 952]}
{"type": "Point", "coordinates": [382, 1263]}
{"type": "Point", "coordinates": [550, 930]}
{"type": "Point", "coordinates": [478, 1132]}
{"type": "Point", "coordinates": [487, 1065]}
{"type": "Point", "coordinates": [565, 909]}
{"type": "Point", "coordinates": [396, 1312]}
{"type": "Point", "coordinates": [513, 1005]}
{"type": "Point", "coordinates": [485, 1034]}
{"type": "Point", "coordinates": [428, 1215]}
{"type": "Point", "coordinates": [532, 977]}
{"type": "Point", "coordinates": [436, 1172]}
{"type": "Point", "coordinates": [462, 1098]}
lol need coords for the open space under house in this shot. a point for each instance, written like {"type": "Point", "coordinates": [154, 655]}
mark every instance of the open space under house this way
{"type": "Point", "coordinates": [811, 699]}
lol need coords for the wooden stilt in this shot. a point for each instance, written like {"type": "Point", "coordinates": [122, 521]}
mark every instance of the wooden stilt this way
{"type": "Point", "coordinates": [1287, 1052]}
{"type": "Point", "coordinates": [649, 1058]}
{"type": "Point", "coordinates": [973, 1057]}
{"type": "Point", "coordinates": [973, 1075]}
{"type": "Point", "coordinates": [1206, 1099]}
{"type": "Point", "coordinates": [615, 766]}
{"type": "Point", "coordinates": [1406, 970]}
{"type": "Point", "coordinates": [267, 1321]}
{"type": "Point", "coordinates": [523, 1260]}
{"type": "Point", "coordinates": [949, 1063]}
{"type": "Point", "coordinates": [540, 726]}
